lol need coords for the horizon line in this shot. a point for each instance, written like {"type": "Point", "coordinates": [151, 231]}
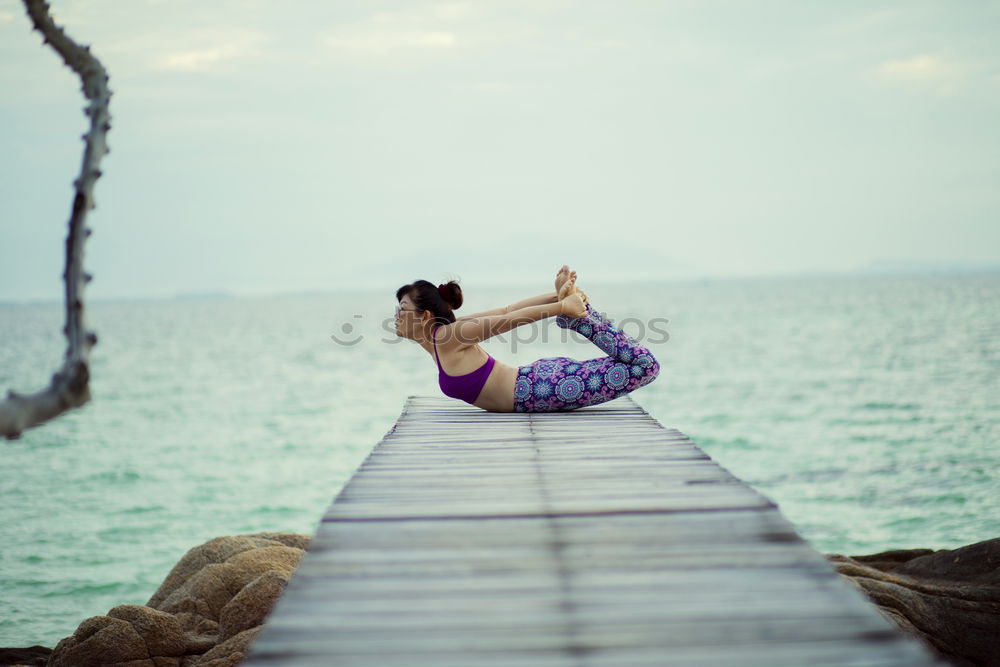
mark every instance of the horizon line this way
{"type": "Point", "coordinates": [874, 272]}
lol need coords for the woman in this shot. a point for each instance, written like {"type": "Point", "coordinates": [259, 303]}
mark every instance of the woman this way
{"type": "Point", "coordinates": [425, 314]}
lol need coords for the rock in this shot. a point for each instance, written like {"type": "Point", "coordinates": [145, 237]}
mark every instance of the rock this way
{"type": "Point", "coordinates": [205, 592]}
{"type": "Point", "coordinates": [218, 592]}
{"type": "Point", "coordinates": [166, 662]}
{"type": "Point", "coordinates": [250, 606]}
{"type": "Point", "coordinates": [230, 652]}
{"type": "Point", "coordinates": [949, 598]}
{"type": "Point", "coordinates": [218, 550]}
{"type": "Point", "coordinates": [160, 631]}
{"type": "Point", "coordinates": [887, 560]}
{"type": "Point", "coordinates": [198, 644]}
{"type": "Point", "coordinates": [99, 640]}
{"type": "Point", "coordinates": [31, 656]}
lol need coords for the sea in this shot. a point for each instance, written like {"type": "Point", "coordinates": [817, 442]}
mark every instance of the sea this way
{"type": "Point", "coordinates": [866, 407]}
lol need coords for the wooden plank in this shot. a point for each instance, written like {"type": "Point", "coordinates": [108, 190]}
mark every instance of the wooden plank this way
{"type": "Point", "coordinates": [848, 632]}
{"type": "Point", "coordinates": [840, 654]}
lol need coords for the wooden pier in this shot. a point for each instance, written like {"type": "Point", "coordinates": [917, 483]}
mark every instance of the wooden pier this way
{"type": "Point", "coordinates": [586, 538]}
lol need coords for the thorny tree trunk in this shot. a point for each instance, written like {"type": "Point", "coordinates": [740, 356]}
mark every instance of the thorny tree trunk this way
{"type": "Point", "coordinates": [69, 385]}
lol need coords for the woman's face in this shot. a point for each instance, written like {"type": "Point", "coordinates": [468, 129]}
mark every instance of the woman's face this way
{"type": "Point", "coordinates": [407, 317]}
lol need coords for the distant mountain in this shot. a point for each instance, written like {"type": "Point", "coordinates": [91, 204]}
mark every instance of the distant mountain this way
{"type": "Point", "coordinates": [213, 294]}
{"type": "Point", "coordinates": [899, 266]}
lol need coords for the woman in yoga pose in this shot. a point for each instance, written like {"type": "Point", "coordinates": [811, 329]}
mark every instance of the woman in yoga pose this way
{"type": "Point", "coordinates": [425, 314]}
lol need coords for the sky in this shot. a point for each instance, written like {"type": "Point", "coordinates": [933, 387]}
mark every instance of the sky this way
{"type": "Point", "coordinates": [264, 147]}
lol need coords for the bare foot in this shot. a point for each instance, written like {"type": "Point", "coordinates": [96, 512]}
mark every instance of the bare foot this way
{"type": "Point", "coordinates": [569, 286]}
{"type": "Point", "coordinates": [561, 277]}
{"type": "Point", "coordinates": [571, 302]}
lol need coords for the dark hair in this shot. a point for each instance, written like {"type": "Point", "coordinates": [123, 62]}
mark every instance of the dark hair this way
{"type": "Point", "coordinates": [440, 300]}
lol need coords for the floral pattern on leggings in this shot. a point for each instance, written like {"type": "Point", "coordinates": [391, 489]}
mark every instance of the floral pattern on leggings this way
{"type": "Point", "coordinates": [560, 383]}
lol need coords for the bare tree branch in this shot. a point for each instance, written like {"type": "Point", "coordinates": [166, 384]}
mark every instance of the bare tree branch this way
{"type": "Point", "coordinates": [69, 387]}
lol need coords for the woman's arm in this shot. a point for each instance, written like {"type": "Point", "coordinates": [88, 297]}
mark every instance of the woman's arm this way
{"type": "Point", "coordinates": [539, 300]}
{"type": "Point", "coordinates": [477, 329]}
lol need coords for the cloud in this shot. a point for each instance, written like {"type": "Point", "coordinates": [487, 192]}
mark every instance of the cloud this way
{"type": "Point", "coordinates": [935, 73]}
{"type": "Point", "coordinates": [429, 29]}
{"type": "Point", "coordinates": [917, 68]}
{"type": "Point", "coordinates": [225, 47]}
{"type": "Point", "coordinates": [497, 87]}
{"type": "Point", "coordinates": [181, 50]}
{"type": "Point", "coordinates": [451, 10]}
{"type": "Point", "coordinates": [373, 41]}
{"type": "Point", "coordinates": [6, 17]}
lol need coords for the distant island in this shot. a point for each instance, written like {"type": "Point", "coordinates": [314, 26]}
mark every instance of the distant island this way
{"type": "Point", "coordinates": [215, 294]}
{"type": "Point", "coordinates": [899, 266]}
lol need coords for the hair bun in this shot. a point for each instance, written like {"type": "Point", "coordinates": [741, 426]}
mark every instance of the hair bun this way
{"type": "Point", "coordinates": [451, 294]}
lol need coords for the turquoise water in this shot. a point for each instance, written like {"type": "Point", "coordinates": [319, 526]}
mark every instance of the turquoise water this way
{"type": "Point", "coordinates": [867, 407]}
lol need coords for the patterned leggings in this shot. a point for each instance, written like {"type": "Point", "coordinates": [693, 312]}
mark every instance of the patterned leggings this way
{"type": "Point", "coordinates": [559, 383]}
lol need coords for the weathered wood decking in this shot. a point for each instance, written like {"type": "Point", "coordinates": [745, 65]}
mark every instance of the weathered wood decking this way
{"type": "Point", "coordinates": [593, 537]}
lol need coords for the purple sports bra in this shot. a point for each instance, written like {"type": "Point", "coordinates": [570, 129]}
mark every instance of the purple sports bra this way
{"type": "Point", "coordinates": [463, 387]}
